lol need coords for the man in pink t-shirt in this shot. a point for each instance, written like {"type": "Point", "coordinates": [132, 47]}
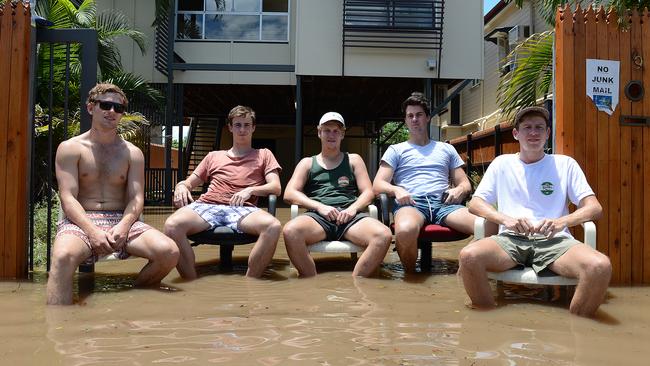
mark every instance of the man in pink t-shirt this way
{"type": "Point", "coordinates": [237, 177]}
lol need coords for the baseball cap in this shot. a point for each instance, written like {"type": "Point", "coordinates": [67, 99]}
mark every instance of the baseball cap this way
{"type": "Point", "coordinates": [528, 110]}
{"type": "Point", "coordinates": [331, 116]}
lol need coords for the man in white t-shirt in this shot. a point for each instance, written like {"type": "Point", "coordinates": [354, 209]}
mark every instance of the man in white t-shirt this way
{"type": "Point", "coordinates": [417, 174]}
{"type": "Point", "coordinates": [531, 190]}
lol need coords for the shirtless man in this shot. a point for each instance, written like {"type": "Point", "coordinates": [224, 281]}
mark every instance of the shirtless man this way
{"type": "Point", "coordinates": [101, 179]}
{"type": "Point", "coordinates": [237, 176]}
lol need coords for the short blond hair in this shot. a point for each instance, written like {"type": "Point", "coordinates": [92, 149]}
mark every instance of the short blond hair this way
{"type": "Point", "coordinates": [241, 111]}
{"type": "Point", "coordinates": [104, 88]}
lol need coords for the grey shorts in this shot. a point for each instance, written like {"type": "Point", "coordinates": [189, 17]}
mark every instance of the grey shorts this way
{"type": "Point", "coordinates": [332, 230]}
{"type": "Point", "coordinates": [536, 253]}
{"type": "Point", "coordinates": [222, 215]}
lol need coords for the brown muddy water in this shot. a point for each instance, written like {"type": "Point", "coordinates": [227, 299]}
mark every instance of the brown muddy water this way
{"type": "Point", "coordinates": [332, 319]}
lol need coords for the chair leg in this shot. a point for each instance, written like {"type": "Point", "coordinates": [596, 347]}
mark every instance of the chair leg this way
{"type": "Point", "coordinates": [87, 268]}
{"type": "Point", "coordinates": [353, 256]}
{"type": "Point", "coordinates": [425, 256]}
{"type": "Point", "coordinates": [225, 257]}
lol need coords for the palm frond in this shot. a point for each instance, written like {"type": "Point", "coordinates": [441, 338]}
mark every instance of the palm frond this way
{"type": "Point", "coordinates": [162, 11]}
{"type": "Point", "coordinates": [86, 13]}
{"type": "Point", "coordinates": [135, 86]}
{"type": "Point", "coordinates": [531, 73]}
{"type": "Point", "coordinates": [113, 24]}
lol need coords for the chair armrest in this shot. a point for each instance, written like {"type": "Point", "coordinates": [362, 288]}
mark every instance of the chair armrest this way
{"type": "Point", "coordinates": [383, 203]}
{"type": "Point", "coordinates": [372, 210]}
{"type": "Point", "coordinates": [294, 211]}
{"type": "Point", "coordinates": [273, 200]}
{"type": "Point", "coordinates": [479, 228]}
{"type": "Point", "coordinates": [590, 233]}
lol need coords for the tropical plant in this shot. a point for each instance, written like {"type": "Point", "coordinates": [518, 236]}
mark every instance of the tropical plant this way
{"type": "Point", "coordinates": [393, 133]}
{"type": "Point", "coordinates": [532, 61]}
{"type": "Point", "coordinates": [66, 59]}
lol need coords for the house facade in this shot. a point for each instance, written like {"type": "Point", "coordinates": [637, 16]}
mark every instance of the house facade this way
{"type": "Point", "coordinates": [293, 60]}
{"type": "Point", "coordinates": [505, 27]}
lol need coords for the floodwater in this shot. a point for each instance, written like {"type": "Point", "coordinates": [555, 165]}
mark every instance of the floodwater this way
{"type": "Point", "coordinates": [332, 319]}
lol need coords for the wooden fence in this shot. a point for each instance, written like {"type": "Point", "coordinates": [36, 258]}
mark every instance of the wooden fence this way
{"type": "Point", "coordinates": [479, 148]}
{"type": "Point", "coordinates": [15, 26]}
{"type": "Point", "coordinates": [615, 157]}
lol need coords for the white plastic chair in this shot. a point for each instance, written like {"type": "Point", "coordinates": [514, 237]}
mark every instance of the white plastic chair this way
{"type": "Point", "coordinates": [336, 246]}
{"type": "Point", "coordinates": [527, 275]}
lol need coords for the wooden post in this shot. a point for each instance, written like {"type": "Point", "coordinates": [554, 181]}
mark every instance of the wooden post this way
{"type": "Point", "coordinates": [15, 31]}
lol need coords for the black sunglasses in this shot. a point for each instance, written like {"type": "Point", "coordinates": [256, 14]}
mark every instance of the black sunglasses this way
{"type": "Point", "coordinates": [106, 106]}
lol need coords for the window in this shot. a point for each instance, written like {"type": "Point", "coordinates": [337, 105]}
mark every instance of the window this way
{"type": "Point", "coordinates": [394, 14]}
{"type": "Point", "coordinates": [233, 20]}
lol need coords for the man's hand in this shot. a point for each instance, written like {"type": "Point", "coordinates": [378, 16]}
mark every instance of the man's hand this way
{"type": "Point", "coordinates": [101, 242]}
{"type": "Point", "coordinates": [454, 196]}
{"type": "Point", "coordinates": [403, 197]}
{"type": "Point", "coordinates": [328, 212]}
{"type": "Point", "coordinates": [120, 234]}
{"type": "Point", "coordinates": [550, 227]}
{"type": "Point", "coordinates": [346, 215]}
{"type": "Point", "coordinates": [520, 225]}
{"type": "Point", "coordinates": [182, 196]}
{"type": "Point", "coordinates": [240, 198]}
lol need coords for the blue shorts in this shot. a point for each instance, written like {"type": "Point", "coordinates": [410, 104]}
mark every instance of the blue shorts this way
{"type": "Point", "coordinates": [431, 208]}
{"type": "Point", "coordinates": [222, 215]}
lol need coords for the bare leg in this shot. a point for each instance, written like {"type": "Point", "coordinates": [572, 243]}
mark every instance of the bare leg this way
{"type": "Point", "coordinates": [68, 252]}
{"type": "Point", "coordinates": [476, 260]}
{"type": "Point", "coordinates": [461, 220]}
{"type": "Point", "coordinates": [408, 222]}
{"type": "Point", "coordinates": [181, 223]}
{"type": "Point", "coordinates": [376, 238]}
{"type": "Point", "coordinates": [160, 250]}
{"type": "Point", "coordinates": [298, 233]}
{"type": "Point", "coordinates": [593, 271]}
{"type": "Point", "coordinates": [268, 229]}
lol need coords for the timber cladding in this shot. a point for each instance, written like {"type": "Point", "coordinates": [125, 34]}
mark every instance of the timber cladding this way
{"type": "Point", "coordinates": [614, 156]}
{"type": "Point", "coordinates": [15, 24]}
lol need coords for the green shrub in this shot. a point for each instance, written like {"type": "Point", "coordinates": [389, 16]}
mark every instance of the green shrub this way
{"type": "Point", "coordinates": [40, 230]}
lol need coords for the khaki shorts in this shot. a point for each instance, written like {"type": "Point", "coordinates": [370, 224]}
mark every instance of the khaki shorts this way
{"type": "Point", "coordinates": [536, 253]}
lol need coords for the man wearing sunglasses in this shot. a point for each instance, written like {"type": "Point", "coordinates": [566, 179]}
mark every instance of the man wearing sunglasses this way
{"type": "Point", "coordinates": [101, 179]}
{"type": "Point", "coordinates": [236, 178]}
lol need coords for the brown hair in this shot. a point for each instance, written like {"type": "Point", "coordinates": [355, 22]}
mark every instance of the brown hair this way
{"type": "Point", "coordinates": [418, 99]}
{"type": "Point", "coordinates": [241, 111]}
{"type": "Point", "coordinates": [104, 88]}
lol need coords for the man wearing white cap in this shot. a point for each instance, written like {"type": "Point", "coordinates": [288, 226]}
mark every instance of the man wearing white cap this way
{"type": "Point", "coordinates": [334, 187]}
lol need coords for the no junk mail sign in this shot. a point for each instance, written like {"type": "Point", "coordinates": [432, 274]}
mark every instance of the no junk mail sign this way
{"type": "Point", "coordinates": [603, 84]}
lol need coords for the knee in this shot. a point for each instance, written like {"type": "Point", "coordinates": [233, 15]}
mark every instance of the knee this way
{"type": "Point", "coordinates": [469, 257]}
{"type": "Point", "coordinates": [291, 231]}
{"type": "Point", "coordinates": [64, 259]}
{"type": "Point", "coordinates": [406, 228]}
{"type": "Point", "coordinates": [274, 228]}
{"type": "Point", "coordinates": [383, 237]}
{"type": "Point", "coordinates": [174, 228]}
{"type": "Point", "coordinates": [167, 252]}
{"type": "Point", "coordinates": [600, 268]}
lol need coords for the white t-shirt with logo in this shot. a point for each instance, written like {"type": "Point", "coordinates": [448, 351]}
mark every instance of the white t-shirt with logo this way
{"type": "Point", "coordinates": [537, 191]}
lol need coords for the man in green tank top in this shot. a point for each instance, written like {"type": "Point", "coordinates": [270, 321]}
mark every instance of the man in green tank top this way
{"type": "Point", "coordinates": [334, 187]}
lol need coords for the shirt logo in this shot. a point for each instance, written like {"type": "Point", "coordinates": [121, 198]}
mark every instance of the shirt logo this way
{"type": "Point", "coordinates": [546, 188]}
{"type": "Point", "coordinates": [344, 181]}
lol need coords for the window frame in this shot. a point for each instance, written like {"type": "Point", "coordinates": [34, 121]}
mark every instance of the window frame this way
{"type": "Point", "coordinates": [260, 14]}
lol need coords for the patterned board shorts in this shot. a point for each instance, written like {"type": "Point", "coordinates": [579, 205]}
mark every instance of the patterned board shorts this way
{"type": "Point", "coordinates": [104, 220]}
{"type": "Point", "coordinates": [222, 215]}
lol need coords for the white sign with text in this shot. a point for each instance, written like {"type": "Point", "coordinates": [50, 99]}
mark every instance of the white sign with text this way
{"type": "Point", "coordinates": [603, 84]}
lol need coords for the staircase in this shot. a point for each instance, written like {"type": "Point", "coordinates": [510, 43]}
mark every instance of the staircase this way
{"type": "Point", "coordinates": [202, 139]}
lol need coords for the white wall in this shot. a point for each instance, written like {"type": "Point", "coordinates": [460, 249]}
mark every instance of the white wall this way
{"type": "Point", "coordinates": [314, 47]}
{"type": "Point", "coordinates": [319, 45]}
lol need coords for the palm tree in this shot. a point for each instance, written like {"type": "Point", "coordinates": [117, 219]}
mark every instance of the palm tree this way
{"type": "Point", "coordinates": [109, 26]}
{"type": "Point", "coordinates": [533, 58]}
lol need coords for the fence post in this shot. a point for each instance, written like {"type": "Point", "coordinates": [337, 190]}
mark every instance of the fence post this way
{"type": "Point", "coordinates": [468, 145]}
